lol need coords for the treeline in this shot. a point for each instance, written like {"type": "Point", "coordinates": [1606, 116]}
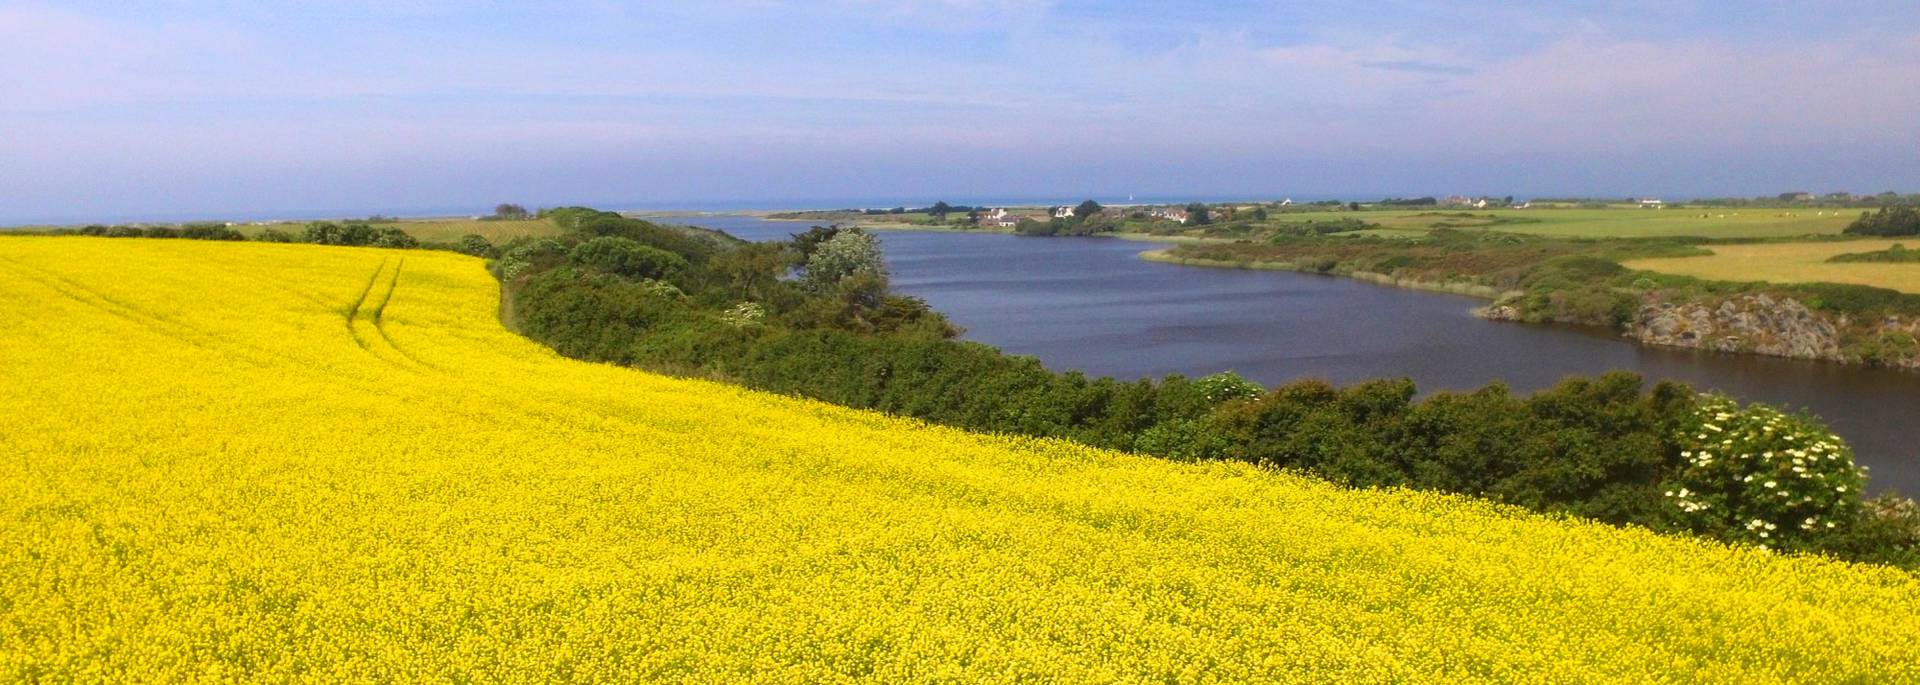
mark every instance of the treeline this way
{"type": "Point", "coordinates": [1888, 221]}
{"type": "Point", "coordinates": [350, 233]}
{"type": "Point", "coordinates": [199, 231]}
{"type": "Point", "coordinates": [814, 317]}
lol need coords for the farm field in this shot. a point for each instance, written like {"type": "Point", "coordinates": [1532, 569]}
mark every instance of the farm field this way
{"type": "Point", "coordinates": [1624, 222]}
{"type": "Point", "coordinates": [450, 230]}
{"type": "Point", "coordinates": [246, 461]}
{"type": "Point", "coordinates": [438, 230]}
{"type": "Point", "coordinates": [1792, 263]}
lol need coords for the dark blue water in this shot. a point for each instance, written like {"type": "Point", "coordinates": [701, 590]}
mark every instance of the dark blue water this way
{"type": "Point", "coordinates": [1091, 304]}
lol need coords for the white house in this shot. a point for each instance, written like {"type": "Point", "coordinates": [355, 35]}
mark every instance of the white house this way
{"type": "Point", "coordinates": [1174, 214]}
{"type": "Point", "coordinates": [1652, 203]}
{"type": "Point", "coordinates": [1062, 212]}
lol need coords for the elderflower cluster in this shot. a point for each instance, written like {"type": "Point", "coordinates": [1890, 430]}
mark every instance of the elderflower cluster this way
{"type": "Point", "coordinates": [1771, 478]}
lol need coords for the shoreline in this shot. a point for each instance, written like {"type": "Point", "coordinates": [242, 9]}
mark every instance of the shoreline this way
{"type": "Point", "coordinates": [1489, 312]}
{"type": "Point", "coordinates": [1476, 290]}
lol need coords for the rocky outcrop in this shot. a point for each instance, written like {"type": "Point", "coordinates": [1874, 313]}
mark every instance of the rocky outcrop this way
{"type": "Point", "coordinates": [1756, 324]}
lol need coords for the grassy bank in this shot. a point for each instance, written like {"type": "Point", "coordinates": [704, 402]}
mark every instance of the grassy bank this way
{"type": "Point", "coordinates": [1305, 266]}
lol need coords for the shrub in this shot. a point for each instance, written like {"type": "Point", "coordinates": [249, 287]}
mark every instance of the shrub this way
{"type": "Point", "coordinates": [329, 233]}
{"type": "Point", "coordinates": [474, 244]}
{"type": "Point", "coordinates": [625, 257]}
{"type": "Point", "coordinates": [1227, 386]}
{"type": "Point", "coordinates": [849, 252]}
{"type": "Point", "coordinates": [210, 232]}
{"type": "Point", "coordinates": [392, 236]}
{"type": "Point", "coordinates": [1758, 475]}
{"type": "Point", "coordinates": [744, 315]}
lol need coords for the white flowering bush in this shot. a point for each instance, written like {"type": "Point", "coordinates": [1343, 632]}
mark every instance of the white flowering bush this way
{"type": "Point", "coordinates": [1227, 386]}
{"type": "Point", "coordinates": [744, 315]}
{"type": "Point", "coordinates": [1759, 475]}
{"type": "Point", "coordinates": [663, 289]}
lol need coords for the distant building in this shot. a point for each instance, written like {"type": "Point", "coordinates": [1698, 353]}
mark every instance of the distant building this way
{"type": "Point", "coordinates": [1652, 203]}
{"type": "Point", "coordinates": [1174, 214]}
{"type": "Point", "coordinates": [1062, 212]}
{"type": "Point", "coordinates": [1287, 202]}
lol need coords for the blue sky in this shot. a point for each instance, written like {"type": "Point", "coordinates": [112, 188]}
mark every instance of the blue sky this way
{"type": "Point", "coordinates": [229, 108]}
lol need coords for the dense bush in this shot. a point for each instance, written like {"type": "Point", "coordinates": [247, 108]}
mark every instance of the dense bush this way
{"type": "Point", "coordinates": [1888, 221]}
{"type": "Point", "coordinates": [210, 232]}
{"type": "Point", "coordinates": [474, 244]}
{"type": "Point", "coordinates": [393, 236]}
{"type": "Point", "coordinates": [1757, 475]}
{"type": "Point", "coordinates": [624, 257]}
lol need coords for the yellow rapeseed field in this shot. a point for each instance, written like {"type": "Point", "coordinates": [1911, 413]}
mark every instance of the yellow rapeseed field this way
{"type": "Point", "coordinates": [271, 462]}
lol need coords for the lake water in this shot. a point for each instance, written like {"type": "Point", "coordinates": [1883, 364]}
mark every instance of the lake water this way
{"type": "Point", "coordinates": [1091, 304]}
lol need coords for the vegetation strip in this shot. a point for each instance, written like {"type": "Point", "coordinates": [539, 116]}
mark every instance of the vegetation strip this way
{"type": "Point", "coordinates": [1604, 448]}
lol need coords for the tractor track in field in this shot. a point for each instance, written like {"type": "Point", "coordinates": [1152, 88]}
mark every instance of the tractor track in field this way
{"type": "Point", "coordinates": [371, 312]}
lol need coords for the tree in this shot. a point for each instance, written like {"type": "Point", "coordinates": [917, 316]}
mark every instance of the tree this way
{"type": "Point", "coordinates": [1087, 210]}
{"type": "Point", "coordinates": [849, 252]}
{"type": "Point", "coordinates": [1197, 215]}
{"type": "Point", "coordinates": [939, 210]}
{"type": "Point", "coordinates": [511, 212]}
{"type": "Point", "coordinates": [806, 242]}
{"type": "Point", "coordinates": [1353, 206]}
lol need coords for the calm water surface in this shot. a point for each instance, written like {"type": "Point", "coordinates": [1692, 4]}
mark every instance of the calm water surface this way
{"type": "Point", "coordinates": [1091, 304]}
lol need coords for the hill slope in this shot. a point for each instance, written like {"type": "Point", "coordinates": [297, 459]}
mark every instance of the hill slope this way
{"type": "Point", "coordinates": [332, 463]}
